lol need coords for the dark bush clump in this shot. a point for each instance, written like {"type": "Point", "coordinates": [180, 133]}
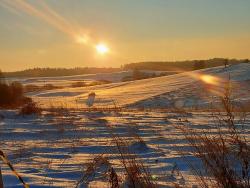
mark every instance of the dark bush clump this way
{"type": "Point", "coordinates": [31, 88]}
{"type": "Point", "coordinates": [12, 95]}
{"type": "Point", "coordinates": [78, 84]}
{"type": "Point", "coordinates": [30, 108]}
{"type": "Point", "coordinates": [99, 82]}
{"type": "Point", "coordinates": [50, 87]}
{"type": "Point", "coordinates": [35, 88]}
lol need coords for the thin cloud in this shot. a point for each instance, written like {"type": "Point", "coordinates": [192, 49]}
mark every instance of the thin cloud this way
{"type": "Point", "coordinates": [46, 14]}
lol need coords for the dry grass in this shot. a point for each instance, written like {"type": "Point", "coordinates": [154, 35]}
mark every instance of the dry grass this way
{"type": "Point", "coordinates": [30, 108]}
{"type": "Point", "coordinates": [1, 179]}
{"type": "Point", "coordinates": [12, 95]}
{"type": "Point", "coordinates": [113, 178]}
{"type": "Point", "coordinates": [225, 156]}
{"type": "Point", "coordinates": [137, 173]}
{"type": "Point", "coordinates": [8, 163]}
{"type": "Point", "coordinates": [89, 173]}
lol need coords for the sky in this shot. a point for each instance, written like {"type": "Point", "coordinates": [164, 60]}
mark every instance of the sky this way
{"type": "Point", "coordinates": [65, 33]}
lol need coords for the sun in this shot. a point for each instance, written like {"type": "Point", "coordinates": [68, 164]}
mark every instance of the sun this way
{"type": "Point", "coordinates": [102, 48]}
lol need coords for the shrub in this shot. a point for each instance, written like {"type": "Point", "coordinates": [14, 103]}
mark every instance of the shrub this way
{"type": "Point", "coordinates": [199, 65]}
{"type": "Point", "coordinates": [78, 84]}
{"type": "Point", "coordinates": [31, 88]}
{"type": "Point", "coordinates": [99, 82]}
{"type": "Point", "coordinates": [5, 94]}
{"type": "Point", "coordinates": [1, 76]}
{"type": "Point", "coordinates": [104, 81]}
{"type": "Point", "coordinates": [16, 90]}
{"type": "Point", "coordinates": [225, 155]}
{"type": "Point", "coordinates": [49, 87]}
{"type": "Point", "coordinates": [12, 95]}
{"type": "Point", "coordinates": [30, 108]}
{"type": "Point", "coordinates": [127, 78]}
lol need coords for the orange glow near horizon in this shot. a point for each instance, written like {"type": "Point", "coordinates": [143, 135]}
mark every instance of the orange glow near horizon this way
{"type": "Point", "coordinates": [66, 34]}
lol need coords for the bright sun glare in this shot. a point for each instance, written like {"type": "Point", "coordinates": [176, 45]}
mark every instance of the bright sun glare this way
{"type": "Point", "coordinates": [209, 79]}
{"type": "Point", "coordinates": [102, 48]}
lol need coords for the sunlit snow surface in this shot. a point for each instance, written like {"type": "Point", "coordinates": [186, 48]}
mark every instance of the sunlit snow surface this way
{"type": "Point", "coordinates": [52, 150]}
{"type": "Point", "coordinates": [158, 92]}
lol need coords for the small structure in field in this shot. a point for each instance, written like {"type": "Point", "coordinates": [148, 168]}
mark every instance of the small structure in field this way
{"type": "Point", "coordinates": [91, 99]}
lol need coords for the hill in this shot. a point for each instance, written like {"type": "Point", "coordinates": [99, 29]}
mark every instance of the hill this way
{"type": "Point", "coordinates": [191, 88]}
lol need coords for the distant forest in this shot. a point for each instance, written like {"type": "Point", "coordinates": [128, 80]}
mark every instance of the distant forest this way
{"type": "Point", "coordinates": [183, 65]}
{"type": "Point", "coordinates": [50, 72]}
{"type": "Point", "coordinates": [157, 66]}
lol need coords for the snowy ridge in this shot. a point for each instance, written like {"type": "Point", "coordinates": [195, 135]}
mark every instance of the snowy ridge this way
{"type": "Point", "coordinates": [143, 93]}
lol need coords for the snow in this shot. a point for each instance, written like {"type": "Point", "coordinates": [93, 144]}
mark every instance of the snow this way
{"type": "Point", "coordinates": [66, 81]}
{"type": "Point", "coordinates": [159, 92]}
{"type": "Point", "coordinates": [55, 149]}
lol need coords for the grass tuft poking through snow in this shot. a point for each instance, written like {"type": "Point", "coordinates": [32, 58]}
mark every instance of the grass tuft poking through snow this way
{"type": "Point", "coordinates": [225, 156]}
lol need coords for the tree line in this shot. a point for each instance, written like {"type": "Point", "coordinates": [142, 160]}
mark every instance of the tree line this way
{"type": "Point", "coordinates": [188, 65]}
{"type": "Point", "coordinates": [50, 72]}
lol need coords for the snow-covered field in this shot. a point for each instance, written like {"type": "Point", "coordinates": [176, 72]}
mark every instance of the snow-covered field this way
{"type": "Point", "coordinates": [54, 149]}
{"type": "Point", "coordinates": [66, 81]}
{"type": "Point", "coordinates": [188, 89]}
